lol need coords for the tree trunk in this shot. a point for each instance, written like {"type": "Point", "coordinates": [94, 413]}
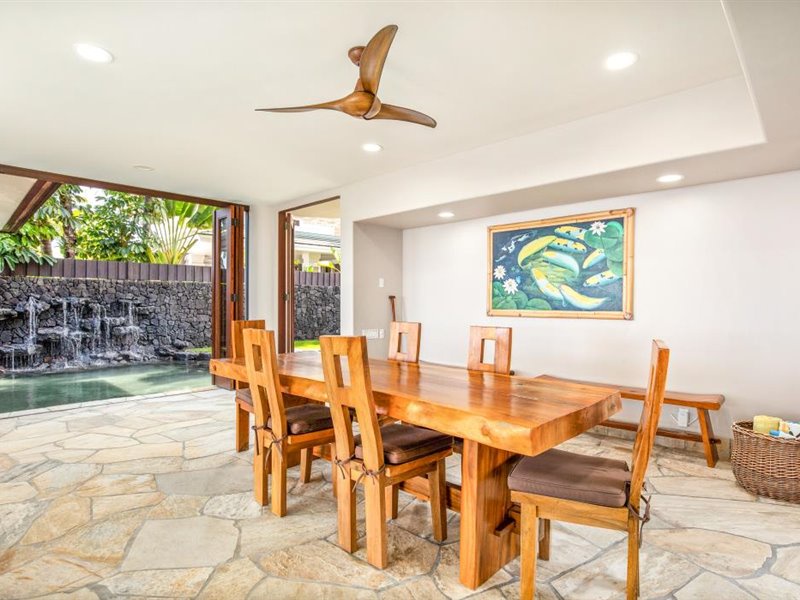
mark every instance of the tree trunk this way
{"type": "Point", "coordinates": [70, 237]}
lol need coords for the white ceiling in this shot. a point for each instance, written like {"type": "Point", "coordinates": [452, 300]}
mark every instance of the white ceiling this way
{"type": "Point", "coordinates": [12, 190]}
{"type": "Point", "coordinates": [180, 95]}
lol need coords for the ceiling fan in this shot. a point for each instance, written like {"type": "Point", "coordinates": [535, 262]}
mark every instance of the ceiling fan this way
{"type": "Point", "coordinates": [363, 101]}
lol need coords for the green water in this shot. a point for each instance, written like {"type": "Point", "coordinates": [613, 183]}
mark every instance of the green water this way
{"type": "Point", "coordinates": [38, 390]}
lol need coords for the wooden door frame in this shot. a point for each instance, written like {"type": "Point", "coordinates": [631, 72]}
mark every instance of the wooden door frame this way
{"type": "Point", "coordinates": [233, 301]}
{"type": "Point", "coordinates": [285, 271]}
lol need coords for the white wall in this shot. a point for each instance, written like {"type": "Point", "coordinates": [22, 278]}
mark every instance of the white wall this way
{"type": "Point", "coordinates": [716, 278]}
{"type": "Point", "coordinates": [379, 255]}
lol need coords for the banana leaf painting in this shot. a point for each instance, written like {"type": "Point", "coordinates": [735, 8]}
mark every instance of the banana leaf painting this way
{"type": "Point", "coordinates": [578, 266]}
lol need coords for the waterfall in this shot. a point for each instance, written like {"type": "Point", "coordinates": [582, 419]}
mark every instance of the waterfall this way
{"type": "Point", "coordinates": [33, 323]}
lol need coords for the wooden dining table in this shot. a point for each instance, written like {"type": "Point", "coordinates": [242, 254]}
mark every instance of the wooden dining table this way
{"type": "Point", "coordinates": [498, 417]}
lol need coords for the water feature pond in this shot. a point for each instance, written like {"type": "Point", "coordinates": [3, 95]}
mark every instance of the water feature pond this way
{"type": "Point", "coordinates": [22, 391]}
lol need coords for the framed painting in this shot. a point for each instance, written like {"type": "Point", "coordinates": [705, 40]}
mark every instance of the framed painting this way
{"type": "Point", "coordinates": [579, 266]}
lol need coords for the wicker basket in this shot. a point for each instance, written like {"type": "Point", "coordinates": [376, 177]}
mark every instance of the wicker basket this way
{"type": "Point", "coordinates": [766, 465]}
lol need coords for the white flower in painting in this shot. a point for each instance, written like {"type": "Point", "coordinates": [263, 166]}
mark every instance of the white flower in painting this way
{"type": "Point", "coordinates": [510, 286]}
{"type": "Point", "coordinates": [598, 228]}
{"type": "Point", "coordinates": [499, 272]}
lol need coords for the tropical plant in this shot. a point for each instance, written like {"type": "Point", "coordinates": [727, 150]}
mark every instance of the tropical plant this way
{"type": "Point", "coordinates": [59, 217]}
{"type": "Point", "coordinates": [174, 229]}
{"type": "Point", "coordinates": [24, 246]}
{"type": "Point", "coordinates": [117, 227]}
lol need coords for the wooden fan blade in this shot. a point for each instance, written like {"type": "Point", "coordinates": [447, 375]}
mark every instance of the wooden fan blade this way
{"type": "Point", "coordinates": [398, 113]}
{"type": "Point", "coordinates": [356, 105]}
{"type": "Point", "coordinates": [373, 58]}
{"type": "Point", "coordinates": [334, 105]}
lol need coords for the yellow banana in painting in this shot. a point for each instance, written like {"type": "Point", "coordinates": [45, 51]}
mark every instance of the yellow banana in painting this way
{"type": "Point", "coordinates": [533, 247]}
{"type": "Point", "coordinates": [547, 288]}
{"type": "Point", "coordinates": [562, 260]}
{"type": "Point", "coordinates": [579, 300]}
{"type": "Point", "coordinates": [570, 231]}
{"type": "Point", "coordinates": [569, 246]}
{"type": "Point", "coordinates": [603, 278]}
{"type": "Point", "coordinates": [594, 258]}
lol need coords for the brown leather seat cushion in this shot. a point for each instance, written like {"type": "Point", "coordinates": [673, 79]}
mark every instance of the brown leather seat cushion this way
{"type": "Point", "coordinates": [560, 474]}
{"type": "Point", "coordinates": [307, 418]}
{"type": "Point", "coordinates": [404, 443]}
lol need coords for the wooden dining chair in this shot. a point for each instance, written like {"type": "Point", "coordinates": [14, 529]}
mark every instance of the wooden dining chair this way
{"type": "Point", "coordinates": [589, 490]}
{"type": "Point", "coordinates": [400, 331]}
{"type": "Point", "coordinates": [280, 430]}
{"type": "Point", "coordinates": [244, 399]}
{"type": "Point", "coordinates": [478, 336]}
{"type": "Point", "coordinates": [380, 457]}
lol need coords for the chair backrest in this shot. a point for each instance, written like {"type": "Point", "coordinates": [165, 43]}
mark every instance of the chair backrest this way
{"type": "Point", "coordinates": [502, 349]}
{"type": "Point", "coordinates": [648, 424]}
{"type": "Point", "coordinates": [238, 340]}
{"type": "Point", "coordinates": [262, 373]}
{"type": "Point", "coordinates": [357, 395]}
{"type": "Point", "coordinates": [411, 332]}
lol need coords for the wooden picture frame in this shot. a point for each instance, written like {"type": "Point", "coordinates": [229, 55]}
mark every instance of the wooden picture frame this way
{"type": "Point", "coordinates": [578, 266]}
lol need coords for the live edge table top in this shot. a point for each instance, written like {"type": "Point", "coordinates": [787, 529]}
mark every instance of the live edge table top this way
{"type": "Point", "coordinates": [524, 415]}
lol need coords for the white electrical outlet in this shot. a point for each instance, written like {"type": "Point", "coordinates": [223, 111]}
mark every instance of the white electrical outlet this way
{"type": "Point", "coordinates": [683, 417]}
{"type": "Point", "coordinates": [371, 334]}
{"type": "Point", "coordinates": [380, 282]}
{"type": "Point", "coordinates": [380, 334]}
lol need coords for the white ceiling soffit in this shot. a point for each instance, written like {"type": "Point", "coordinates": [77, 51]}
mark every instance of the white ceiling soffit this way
{"type": "Point", "coordinates": [323, 210]}
{"type": "Point", "coordinates": [180, 93]}
{"type": "Point", "coordinates": [13, 190]}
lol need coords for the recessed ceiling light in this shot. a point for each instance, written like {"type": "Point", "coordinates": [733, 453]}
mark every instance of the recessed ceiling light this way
{"type": "Point", "coordinates": [93, 53]}
{"type": "Point", "coordinates": [371, 147]}
{"type": "Point", "coordinates": [621, 60]}
{"type": "Point", "coordinates": [670, 178]}
{"type": "Point", "coordinates": [143, 168]}
{"type": "Point", "coordinates": [446, 214]}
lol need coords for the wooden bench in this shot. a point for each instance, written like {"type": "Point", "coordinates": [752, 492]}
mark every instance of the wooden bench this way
{"type": "Point", "coordinates": [702, 403]}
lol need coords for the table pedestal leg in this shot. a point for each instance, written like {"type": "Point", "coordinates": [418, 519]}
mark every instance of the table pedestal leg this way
{"type": "Point", "coordinates": [485, 500]}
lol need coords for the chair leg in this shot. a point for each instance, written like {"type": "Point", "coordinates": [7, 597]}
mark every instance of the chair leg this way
{"type": "Point", "coordinates": [437, 484]}
{"type": "Point", "coordinates": [392, 499]}
{"type": "Point", "coordinates": [242, 428]}
{"type": "Point", "coordinates": [377, 553]}
{"type": "Point", "coordinates": [334, 474]}
{"type": "Point", "coordinates": [544, 540]}
{"type": "Point", "coordinates": [346, 510]}
{"type": "Point", "coordinates": [633, 560]}
{"type": "Point", "coordinates": [261, 470]}
{"type": "Point", "coordinates": [529, 538]}
{"type": "Point", "coordinates": [707, 431]}
{"type": "Point", "coordinates": [278, 495]}
{"type": "Point", "coordinates": [305, 464]}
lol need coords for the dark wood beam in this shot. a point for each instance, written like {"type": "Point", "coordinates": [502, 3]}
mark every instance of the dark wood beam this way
{"type": "Point", "coordinates": [106, 185]}
{"type": "Point", "coordinates": [40, 191]}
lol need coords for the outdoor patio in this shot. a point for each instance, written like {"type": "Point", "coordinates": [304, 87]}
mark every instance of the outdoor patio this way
{"type": "Point", "coordinates": [145, 498]}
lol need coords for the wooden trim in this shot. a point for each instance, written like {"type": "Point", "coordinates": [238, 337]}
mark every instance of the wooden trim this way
{"type": "Point", "coordinates": [627, 275]}
{"type": "Point", "coordinates": [119, 187]}
{"type": "Point", "coordinates": [285, 271]}
{"type": "Point", "coordinates": [37, 195]}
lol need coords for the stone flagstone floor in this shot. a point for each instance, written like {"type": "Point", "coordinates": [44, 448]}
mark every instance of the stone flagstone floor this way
{"type": "Point", "coordinates": [146, 499]}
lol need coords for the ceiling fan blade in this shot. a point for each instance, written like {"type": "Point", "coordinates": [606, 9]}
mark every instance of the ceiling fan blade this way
{"type": "Point", "coordinates": [373, 58]}
{"type": "Point", "coordinates": [334, 105]}
{"type": "Point", "coordinates": [398, 113]}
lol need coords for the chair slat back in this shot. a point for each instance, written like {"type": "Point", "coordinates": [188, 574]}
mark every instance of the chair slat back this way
{"type": "Point", "coordinates": [502, 349]}
{"type": "Point", "coordinates": [357, 395]}
{"type": "Point", "coordinates": [238, 340]}
{"type": "Point", "coordinates": [411, 331]}
{"type": "Point", "coordinates": [648, 424]}
{"type": "Point", "coordinates": [262, 373]}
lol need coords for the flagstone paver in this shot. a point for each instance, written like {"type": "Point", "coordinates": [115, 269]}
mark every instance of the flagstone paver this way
{"type": "Point", "coordinates": [146, 498]}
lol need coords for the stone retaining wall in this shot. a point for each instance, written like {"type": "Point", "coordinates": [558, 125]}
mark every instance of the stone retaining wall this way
{"type": "Point", "coordinates": [101, 319]}
{"type": "Point", "coordinates": [317, 311]}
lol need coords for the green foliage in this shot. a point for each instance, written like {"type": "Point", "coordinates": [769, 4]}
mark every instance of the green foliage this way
{"type": "Point", "coordinates": [612, 242]}
{"type": "Point", "coordinates": [497, 289]}
{"type": "Point", "coordinates": [24, 246]}
{"type": "Point", "coordinates": [116, 228]}
{"type": "Point", "coordinates": [538, 304]}
{"type": "Point", "coordinates": [174, 228]}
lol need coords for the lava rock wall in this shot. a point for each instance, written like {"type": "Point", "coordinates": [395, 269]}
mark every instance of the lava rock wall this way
{"type": "Point", "coordinates": [145, 319]}
{"type": "Point", "coordinates": [317, 311]}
